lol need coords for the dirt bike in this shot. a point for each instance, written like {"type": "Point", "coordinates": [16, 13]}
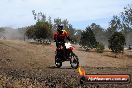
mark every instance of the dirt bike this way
{"type": "Point", "coordinates": [65, 53]}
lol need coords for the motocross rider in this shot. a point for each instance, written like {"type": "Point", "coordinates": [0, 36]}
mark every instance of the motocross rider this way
{"type": "Point", "coordinates": [61, 36]}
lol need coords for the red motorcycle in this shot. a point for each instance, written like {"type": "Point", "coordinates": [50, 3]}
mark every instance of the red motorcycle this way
{"type": "Point", "coordinates": [65, 53]}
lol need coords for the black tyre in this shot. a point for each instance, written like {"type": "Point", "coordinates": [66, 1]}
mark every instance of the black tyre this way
{"type": "Point", "coordinates": [82, 80]}
{"type": "Point", "coordinates": [58, 63]}
{"type": "Point", "coordinates": [74, 61]}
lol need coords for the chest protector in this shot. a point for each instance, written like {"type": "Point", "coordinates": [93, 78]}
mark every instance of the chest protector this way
{"type": "Point", "coordinates": [61, 36]}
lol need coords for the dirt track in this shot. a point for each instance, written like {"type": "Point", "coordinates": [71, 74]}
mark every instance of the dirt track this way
{"type": "Point", "coordinates": [29, 64]}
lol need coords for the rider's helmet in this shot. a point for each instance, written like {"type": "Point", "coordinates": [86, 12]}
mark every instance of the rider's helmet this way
{"type": "Point", "coordinates": [60, 28]}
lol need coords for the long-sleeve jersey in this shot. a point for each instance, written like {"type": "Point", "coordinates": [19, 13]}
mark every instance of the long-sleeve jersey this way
{"type": "Point", "coordinates": [61, 36]}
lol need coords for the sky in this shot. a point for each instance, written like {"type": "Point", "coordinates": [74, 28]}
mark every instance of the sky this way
{"type": "Point", "coordinates": [80, 13]}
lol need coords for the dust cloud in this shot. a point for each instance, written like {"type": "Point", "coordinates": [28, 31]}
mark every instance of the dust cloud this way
{"type": "Point", "coordinates": [12, 34]}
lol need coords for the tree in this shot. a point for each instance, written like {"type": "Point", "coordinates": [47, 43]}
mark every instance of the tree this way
{"type": "Point", "coordinates": [126, 22]}
{"type": "Point", "coordinates": [43, 30]}
{"type": "Point", "coordinates": [57, 21]}
{"type": "Point", "coordinates": [114, 26]}
{"type": "Point", "coordinates": [117, 42]}
{"type": "Point", "coordinates": [39, 16]}
{"type": "Point", "coordinates": [126, 17]}
{"type": "Point", "coordinates": [88, 39]}
{"type": "Point", "coordinates": [96, 28]}
{"type": "Point", "coordinates": [71, 32]}
{"type": "Point", "coordinates": [99, 33]}
{"type": "Point", "coordinates": [30, 32]}
{"type": "Point", "coordinates": [65, 22]}
{"type": "Point", "coordinates": [122, 23]}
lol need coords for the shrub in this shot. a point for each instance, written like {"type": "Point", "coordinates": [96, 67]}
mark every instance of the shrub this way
{"type": "Point", "coordinates": [88, 39]}
{"type": "Point", "coordinates": [100, 48]}
{"type": "Point", "coordinates": [117, 42]}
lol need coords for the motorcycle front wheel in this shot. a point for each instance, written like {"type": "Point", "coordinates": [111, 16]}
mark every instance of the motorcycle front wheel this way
{"type": "Point", "coordinates": [74, 61]}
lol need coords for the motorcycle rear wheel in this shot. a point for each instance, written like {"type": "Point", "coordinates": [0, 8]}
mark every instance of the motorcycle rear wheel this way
{"type": "Point", "coordinates": [58, 63]}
